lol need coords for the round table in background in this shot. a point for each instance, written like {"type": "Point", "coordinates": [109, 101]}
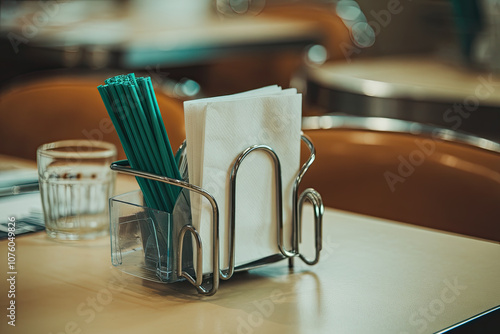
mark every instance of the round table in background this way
{"type": "Point", "coordinates": [417, 88]}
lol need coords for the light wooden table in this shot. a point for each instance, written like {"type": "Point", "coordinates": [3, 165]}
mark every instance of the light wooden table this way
{"type": "Point", "coordinates": [374, 276]}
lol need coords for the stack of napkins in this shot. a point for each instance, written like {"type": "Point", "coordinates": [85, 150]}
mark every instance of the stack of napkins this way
{"type": "Point", "coordinates": [217, 131]}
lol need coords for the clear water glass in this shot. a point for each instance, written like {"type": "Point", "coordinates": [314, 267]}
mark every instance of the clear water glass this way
{"type": "Point", "coordinates": [76, 183]}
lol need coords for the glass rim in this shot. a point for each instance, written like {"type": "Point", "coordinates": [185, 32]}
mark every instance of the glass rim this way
{"type": "Point", "coordinates": [107, 150]}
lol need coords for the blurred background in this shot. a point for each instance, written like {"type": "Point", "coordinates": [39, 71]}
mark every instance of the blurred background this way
{"type": "Point", "coordinates": [256, 41]}
{"type": "Point", "coordinates": [411, 60]}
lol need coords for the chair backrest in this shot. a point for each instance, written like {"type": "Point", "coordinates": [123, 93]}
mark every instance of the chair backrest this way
{"type": "Point", "coordinates": [67, 107]}
{"type": "Point", "coordinates": [407, 172]}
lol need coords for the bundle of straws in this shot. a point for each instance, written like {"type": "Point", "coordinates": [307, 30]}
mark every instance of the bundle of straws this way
{"type": "Point", "coordinates": [134, 111]}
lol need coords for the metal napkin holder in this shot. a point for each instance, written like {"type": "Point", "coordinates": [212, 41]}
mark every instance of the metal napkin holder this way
{"type": "Point", "coordinates": [193, 271]}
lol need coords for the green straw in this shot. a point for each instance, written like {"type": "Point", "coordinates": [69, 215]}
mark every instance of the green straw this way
{"type": "Point", "coordinates": [149, 142]}
{"type": "Point", "coordinates": [105, 95]}
{"type": "Point", "coordinates": [134, 111]}
{"type": "Point", "coordinates": [159, 129]}
{"type": "Point", "coordinates": [162, 128]}
{"type": "Point", "coordinates": [143, 137]}
{"type": "Point", "coordinates": [140, 147]}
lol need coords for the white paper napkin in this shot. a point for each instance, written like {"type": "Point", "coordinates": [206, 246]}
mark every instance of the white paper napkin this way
{"type": "Point", "coordinates": [217, 131]}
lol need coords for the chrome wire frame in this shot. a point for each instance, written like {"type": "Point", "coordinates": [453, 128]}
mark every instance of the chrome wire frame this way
{"type": "Point", "coordinates": [309, 195]}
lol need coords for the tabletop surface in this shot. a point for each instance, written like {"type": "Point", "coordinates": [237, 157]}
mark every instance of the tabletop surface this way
{"type": "Point", "coordinates": [374, 276]}
{"type": "Point", "coordinates": [409, 77]}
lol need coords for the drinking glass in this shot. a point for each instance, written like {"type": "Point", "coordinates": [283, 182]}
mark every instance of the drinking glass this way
{"type": "Point", "coordinates": [75, 184]}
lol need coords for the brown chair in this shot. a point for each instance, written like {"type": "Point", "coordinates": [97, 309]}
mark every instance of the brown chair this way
{"type": "Point", "coordinates": [407, 172]}
{"type": "Point", "coordinates": [67, 107]}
